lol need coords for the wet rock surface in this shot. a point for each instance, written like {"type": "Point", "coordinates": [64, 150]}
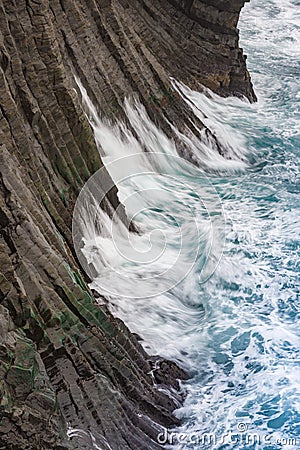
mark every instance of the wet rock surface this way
{"type": "Point", "coordinates": [64, 360]}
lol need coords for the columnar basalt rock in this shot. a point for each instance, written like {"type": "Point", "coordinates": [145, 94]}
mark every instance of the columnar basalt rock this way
{"type": "Point", "coordinates": [221, 63]}
{"type": "Point", "coordinates": [65, 361]}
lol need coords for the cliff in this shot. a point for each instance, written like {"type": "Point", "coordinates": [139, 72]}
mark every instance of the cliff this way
{"type": "Point", "coordinates": [65, 361]}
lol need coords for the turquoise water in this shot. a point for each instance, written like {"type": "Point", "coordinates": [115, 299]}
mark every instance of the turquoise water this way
{"type": "Point", "coordinates": [247, 348]}
{"type": "Point", "coordinates": [212, 281]}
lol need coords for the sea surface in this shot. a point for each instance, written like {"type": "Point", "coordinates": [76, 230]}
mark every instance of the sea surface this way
{"type": "Point", "coordinates": [212, 280]}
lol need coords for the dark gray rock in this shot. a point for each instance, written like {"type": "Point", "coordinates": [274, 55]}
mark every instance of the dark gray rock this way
{"type": "Point", "coordinates": [64, 360]}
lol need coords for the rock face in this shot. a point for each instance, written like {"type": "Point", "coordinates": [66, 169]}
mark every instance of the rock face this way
{"type": "Point", "coordinates": [65, 361]}
{"type": "Point", "coordinates": [215, 58]}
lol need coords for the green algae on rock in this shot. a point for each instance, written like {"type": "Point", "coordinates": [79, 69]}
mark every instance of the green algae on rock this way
{"type": "Point", "coordinates": [65, 361]}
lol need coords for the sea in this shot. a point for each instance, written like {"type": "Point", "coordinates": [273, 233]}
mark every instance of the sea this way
{"type": "Point", "coordinates": [211, 278]}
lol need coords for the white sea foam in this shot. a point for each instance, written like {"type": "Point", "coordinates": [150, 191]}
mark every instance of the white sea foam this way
{"type": "Point", "coordinates": [238, 332]}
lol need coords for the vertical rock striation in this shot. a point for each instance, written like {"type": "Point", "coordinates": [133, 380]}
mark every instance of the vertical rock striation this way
{"type": "Point", "coordinates": [216, 59]}
{"type": "Point", "coordinates": [65, 361]}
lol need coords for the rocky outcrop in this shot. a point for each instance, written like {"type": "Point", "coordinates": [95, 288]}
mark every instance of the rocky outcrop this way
{"type": "Point", "coordinates": [65, 361]}
{"type": "Point", "coordinates": [215, 57]}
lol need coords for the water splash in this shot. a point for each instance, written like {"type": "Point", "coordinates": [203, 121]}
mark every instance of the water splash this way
{"type": "Point", "coordinates": [239, 332]}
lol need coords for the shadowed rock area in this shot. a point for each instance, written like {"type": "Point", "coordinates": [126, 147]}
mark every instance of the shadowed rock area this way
{"type": "Point", "coordinates": [65, 361]}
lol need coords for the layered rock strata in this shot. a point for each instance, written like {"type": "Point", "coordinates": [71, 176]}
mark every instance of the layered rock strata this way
{"type": "Point", "coordinates": [65, 361]}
